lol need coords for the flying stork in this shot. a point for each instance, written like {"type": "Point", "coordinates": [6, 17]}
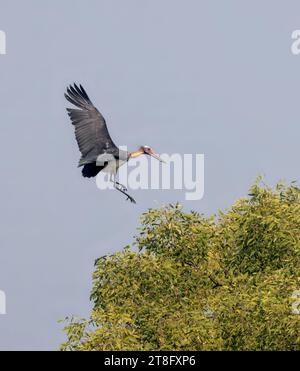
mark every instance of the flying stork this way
{"type": "Point", "coordinates": [99, 153]}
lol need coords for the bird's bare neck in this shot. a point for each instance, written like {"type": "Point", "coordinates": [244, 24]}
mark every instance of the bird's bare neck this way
{"type": "Point", "coordinates": [136, 153]}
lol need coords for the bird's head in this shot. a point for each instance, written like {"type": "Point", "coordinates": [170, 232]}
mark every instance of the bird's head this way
{"type": "Point", "coordinates": [146, 150]}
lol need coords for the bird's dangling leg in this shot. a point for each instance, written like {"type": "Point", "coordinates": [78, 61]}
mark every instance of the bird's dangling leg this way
{"type": "Point", "coordinates": [113, 179]}
{"type": "Point", "coordinates": [119, 187]}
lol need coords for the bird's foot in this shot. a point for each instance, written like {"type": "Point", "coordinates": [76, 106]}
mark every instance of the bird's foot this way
{"type": "Point", "coordinates": [119, 187]}
{"type": "Point", "coordinates": [131, 199]}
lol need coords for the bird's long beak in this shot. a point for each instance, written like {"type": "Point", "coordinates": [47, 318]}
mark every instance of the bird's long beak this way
{"type": "Point", "coordinates": [155, 155]}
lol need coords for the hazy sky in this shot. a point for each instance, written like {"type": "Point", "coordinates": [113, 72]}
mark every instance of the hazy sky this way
{"type": "Point", "coordinates": [212, 77]}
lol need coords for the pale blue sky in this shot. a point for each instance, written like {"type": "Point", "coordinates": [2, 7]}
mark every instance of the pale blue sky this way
{"type": "Point", "coordinates": [212, 77]}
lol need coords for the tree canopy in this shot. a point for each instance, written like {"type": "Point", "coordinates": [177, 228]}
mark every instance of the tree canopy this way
{"type": "Point", "coordinates": [225, 282]}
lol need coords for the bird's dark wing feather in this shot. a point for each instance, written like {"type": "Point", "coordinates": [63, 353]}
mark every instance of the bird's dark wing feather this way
{"type": "Point", "coordinates": [90, 127]}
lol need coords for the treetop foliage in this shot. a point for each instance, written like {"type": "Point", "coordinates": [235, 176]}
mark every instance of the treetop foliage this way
{"type": "Point", "coordinates": [224, 282]}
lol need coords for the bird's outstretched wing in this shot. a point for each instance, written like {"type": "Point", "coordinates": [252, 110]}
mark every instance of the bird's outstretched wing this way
{"type": "Point", "coordinates": [90, 127]}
